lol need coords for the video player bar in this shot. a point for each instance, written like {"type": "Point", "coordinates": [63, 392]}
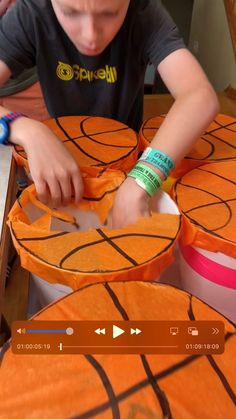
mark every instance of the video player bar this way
{"type": "Point", "coordinates": [117, 337]}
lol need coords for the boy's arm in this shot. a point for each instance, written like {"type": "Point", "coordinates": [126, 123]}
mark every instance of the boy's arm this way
{"type": "Point", "coordinates": [5, 73]}
{"type": "Point", "coordinates": [53, 169]}
{"type": "Point", "coordinates": [4, 5]}
{"type": "Point", "coordinates": [195, 105]}
{"type": "Point", "coordinates": [194, 108]}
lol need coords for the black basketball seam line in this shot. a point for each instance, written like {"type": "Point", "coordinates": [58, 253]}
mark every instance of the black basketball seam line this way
{"type": "Point", "coordinates": [117, 249]}
{"type": "Point", "coordinates": [209, 205]}
{"type": "Point", "coordinates": [145, 123]}
{"type": "Point", "coordinates": [144, 383]}
{"type": "Point", "coordinates": [4, 349]}
{"type": "Point", "coordinates": [52, 236]}
{"type": "Point", "coordinates": [221, 201]}
{"type": "Point", "coordinates": [206, 140]}
{"type": "Point", "coordinates": [99, 142]}
{"type": "Point", "coordinates": [99, 198]}
{"type": "Point", "coordinates": [121, 158]}
{"type": "Point", "coordinates": [211, 194]}
{"type": "Point", "coordinates": [101, 283]}
{"type": "Point", "coordinates": [151, 283]}
{"type": "Point", "coordinates": [222, 378]}
{"type": "Point", "coordinates": [18, 201]}
{"type": "Point", "coordinates": [75, 250]}
{"type": "Point", "coordinates": [100, 133]}
{"type": "Point", "coordinates": [213, 149]}
{"type": "Point", "coordinates": [75, 144]}
{"type": "Point", "coordinates": [160, 395]}
{"type": "Point", "coordinates": [190, 308]}
{"type": "Point", "coordinates": [220, 126]}
{"type": "Point", "coordinates": [192, 220]}
{"type": "Point", "coordinates": [121, 252]}
{"type": "Point", "coordinates": [203, 169]}
{"type": "Point", "coordinates": [137, 387]}
{"type": "Point", "coordinates": [126, 127]}
{"type": "Point", "coordinates": [212, 146]}
{"type": "Point", "coordinates": [210, 231]}
{"type": "Point", "coordinates": [221, 140]}
{"type": "Point", "coordinates": [116, 301]}
{"type": "Point", "coordinates": [106, 384]}
{"type": "Point", "coordinates": [100, 162]}
{"type": "Point", "coordinates": [114, 161]}
{"type": "Point", "coordinates": [38, 258]}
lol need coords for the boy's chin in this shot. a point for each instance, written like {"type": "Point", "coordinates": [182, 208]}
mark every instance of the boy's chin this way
{"type": "Point", "coordinates": [90, 51]}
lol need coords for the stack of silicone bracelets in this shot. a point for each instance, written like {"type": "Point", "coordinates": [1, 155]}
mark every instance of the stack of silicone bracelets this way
{"type": "Point", "coordinates": [146, 177]}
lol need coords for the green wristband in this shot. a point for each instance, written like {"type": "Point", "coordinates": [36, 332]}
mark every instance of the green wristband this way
{"type": "Point", "coordinates": [146, 178]}
{"type": "Point", "coordinates": [158, 159]}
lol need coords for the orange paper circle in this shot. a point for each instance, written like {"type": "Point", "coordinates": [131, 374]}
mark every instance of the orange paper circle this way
{"type": "Point", "coordinates": [206, 196]}
{"type": "Point", "coordinates": [122, 386]}
{"type": "Point", "coordinates": [218, 143]}
{"type": "Point", "coordinates": [93, 141]}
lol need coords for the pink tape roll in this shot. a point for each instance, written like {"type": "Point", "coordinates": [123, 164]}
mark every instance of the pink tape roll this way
{"type": "Point", "coordinates": [209, 269]}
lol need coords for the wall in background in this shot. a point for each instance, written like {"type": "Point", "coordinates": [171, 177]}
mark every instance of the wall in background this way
{"type": "Point", "coordinates": [210, 41]}
{"type": "Point", "coordinates": [181, 12]}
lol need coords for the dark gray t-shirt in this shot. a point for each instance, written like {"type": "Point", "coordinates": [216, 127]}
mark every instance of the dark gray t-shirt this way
{"type": "Point", "coordinates": [110, 84]}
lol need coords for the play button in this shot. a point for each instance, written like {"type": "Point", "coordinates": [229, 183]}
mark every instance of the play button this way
{"type": "Point", "coordinates": [117, 331]}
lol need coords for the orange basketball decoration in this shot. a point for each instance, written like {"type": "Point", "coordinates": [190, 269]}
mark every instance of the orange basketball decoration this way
{"type": "Point", "coordinates": [53, 246]}
{"type": "Point", "coordinates": [218, 143]}
{"type": "Point", "coordinates": [122, 386]}
{"type": "Point", "coordinates": [93, 141]}
{"type": "Point", "coordinates": [206, 197]}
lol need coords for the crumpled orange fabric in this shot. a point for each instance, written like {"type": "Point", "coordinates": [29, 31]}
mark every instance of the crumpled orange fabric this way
{"type": "Point", "coordinates": [53, 245]}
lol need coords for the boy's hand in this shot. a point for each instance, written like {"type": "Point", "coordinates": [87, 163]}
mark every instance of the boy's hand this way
{"type": "Point", "coordinates": [131, 202]}
{"type": "Point", "coordinates": [54, 171]}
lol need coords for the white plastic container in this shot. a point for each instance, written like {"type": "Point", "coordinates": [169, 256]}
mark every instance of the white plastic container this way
{"type": "Point", "coordinates": [43, 293]}
{"type": "Point", "coordinates": [211, 277]}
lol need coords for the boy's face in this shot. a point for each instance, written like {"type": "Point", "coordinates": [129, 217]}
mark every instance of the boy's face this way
{"type": "Point", "coordinates": [91, 24]}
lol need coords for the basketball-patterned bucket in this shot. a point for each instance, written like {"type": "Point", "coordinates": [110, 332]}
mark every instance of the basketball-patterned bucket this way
{"type": "Point", "coordinates": [218, 143]}
{"type": "Point", "coordinates": [43, 292]}
{"type": "Point", "coordinates": [76, 245]}
{"type": "Point", "coordinates": [122, 386]}
{"type": "Point", "coordinates": [206, 197]}
{"type": "Point", "coordinates": [93, 141]}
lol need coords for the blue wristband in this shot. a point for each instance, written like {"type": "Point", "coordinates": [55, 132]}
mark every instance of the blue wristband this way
{"type": "Point", "coordinates": [158, 159]}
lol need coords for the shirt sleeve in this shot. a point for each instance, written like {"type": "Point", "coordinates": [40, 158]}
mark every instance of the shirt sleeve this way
{"type": "Point", "coordinates": [17, 38]}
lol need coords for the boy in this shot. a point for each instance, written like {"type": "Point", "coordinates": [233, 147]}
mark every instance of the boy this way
{"type": "Point", "coordinates": [91, 57]}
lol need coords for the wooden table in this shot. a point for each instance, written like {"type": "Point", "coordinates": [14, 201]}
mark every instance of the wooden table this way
{"type": "Point", "coordinates": [159, 104]}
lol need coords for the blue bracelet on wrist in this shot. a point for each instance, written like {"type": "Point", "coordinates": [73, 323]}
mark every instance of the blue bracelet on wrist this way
{"type": "Point", "coordinates": [158, 159]}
